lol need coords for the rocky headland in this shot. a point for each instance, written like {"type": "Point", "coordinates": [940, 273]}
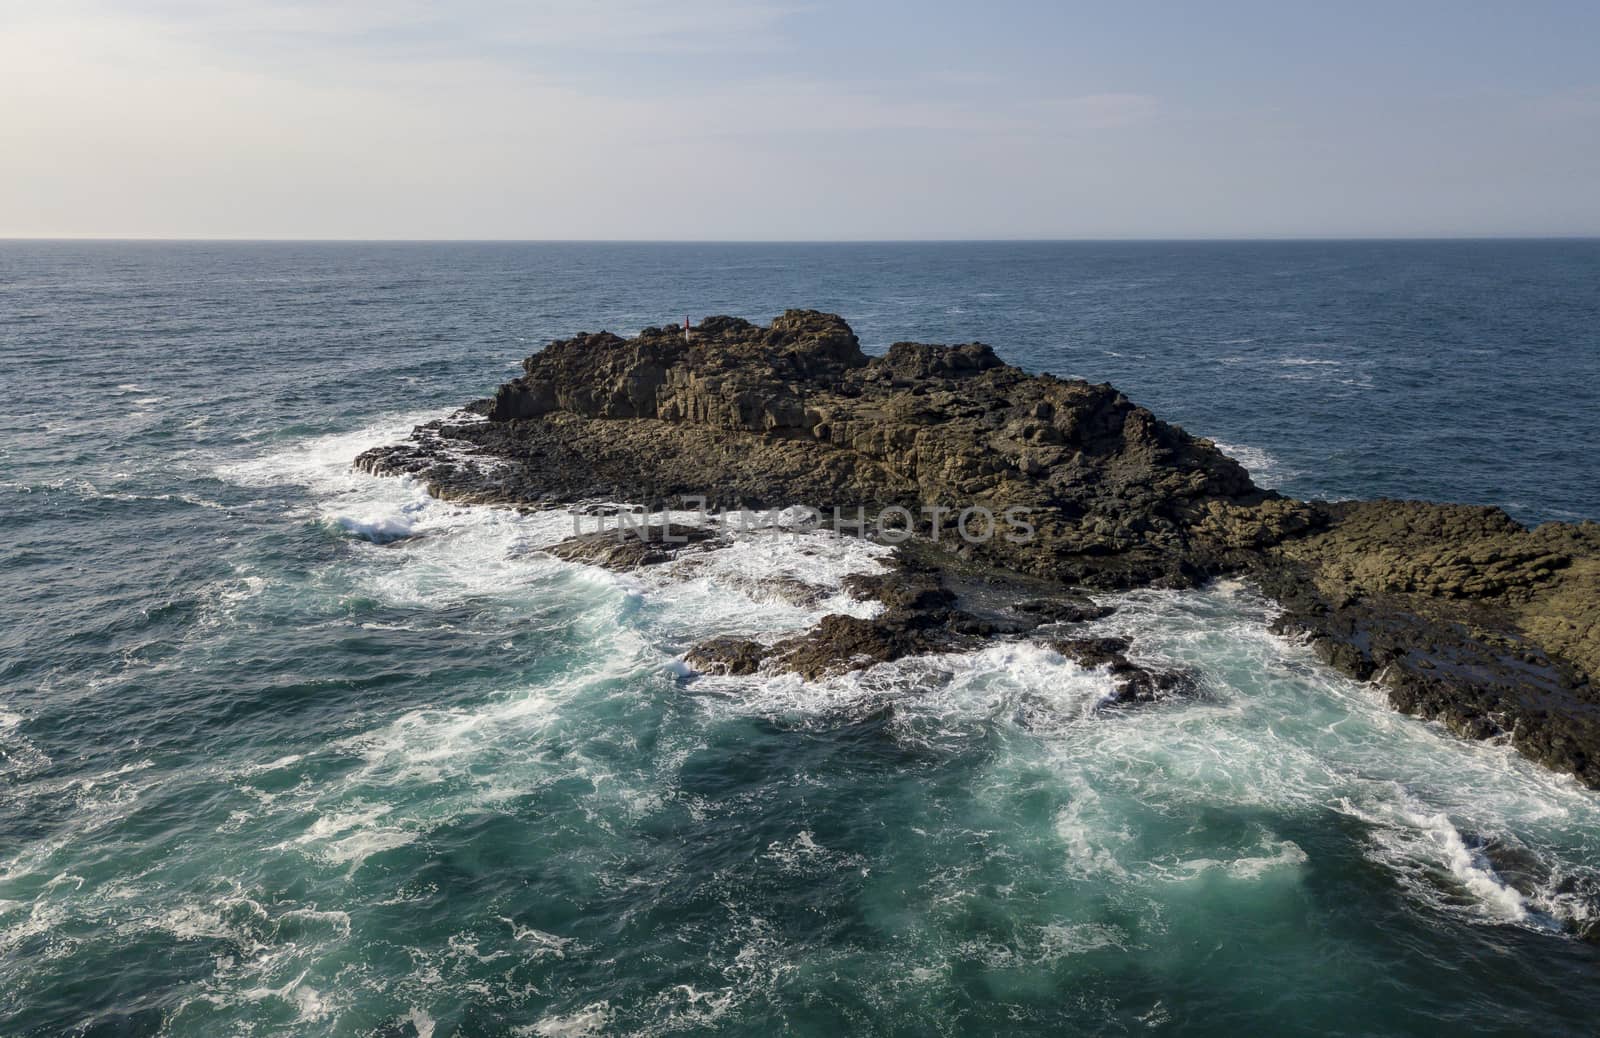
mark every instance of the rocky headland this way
{"type": "Point", "coordinates": [1460, 613]}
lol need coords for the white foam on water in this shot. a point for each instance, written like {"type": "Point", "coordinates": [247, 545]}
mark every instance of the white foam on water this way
{"type": "Point", "coordinates": [763, 582]}
{"type": "Point", "coordinates": [463, 760]}
{"type": "Point", "coordinates": [349, 838]}
{"type": "Point", "coordinates": [1282, 731]}
{"type": "Point", "coordinates": [322, 463]}
{"type": "Point", "coordinates": [308, 1003]}
{"type": "Point", "coordinates": [1273, 730]}
{"type": "Point", "coordinates": [1274, 855]}
{"type": "Point", "coordinates": [421, 1022]}
{"type": "Point", "coordinates": [1274, 735]}
{"type": "Point", "coordinates": [1028, 683]}
{"type": "Point", "coordinates": [98, 801]}
{"type": "Point", "coordinates": [1093, 835]}
{"type": "Point", "coordinates": [754, 969]}
{"type": "Point", "coordinates": [1410, 839]}
{"type": "Point", "coordinates": [384, 526]}
{"type": "Point", "coordinates": [379, 509]}
{"type": "Point", "coordinates": [422, 551]}
{"type": "Point", "coordinates": [590, 1020]}
{"type": "Point", "coordinates": [403, 778]}
{"type": "Point", "coordinates": [288, 760]}
{"type": "Point", "coordinates": [1265, 468]}
{"type": "Point", "coordinates": [19, 758]}
{"type": "Point", "coordinates": [539, 944]}
{"type": "Point", "coordinates": [24, 922]}
{"type": "Point", "coordinates": [267, 947]}
{"type": "Point", "coordinates": [802, 855]}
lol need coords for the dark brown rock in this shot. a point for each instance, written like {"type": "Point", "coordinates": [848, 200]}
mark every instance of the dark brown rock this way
{"type": "Point", "coordinates": [628, 547]}
{"type": "Point", "coordinates": [796, 413]}
{"type": "Point", "coordinates": [1134, 683]}
{"type": "Point", "coordinates": [918, 617]}
{"type": "Point", "coordinates": [1461, 613]}
{"type": "Point", "coordinates": [727, 655]}
{"type": "Point", "coordinates": [1064, 610]}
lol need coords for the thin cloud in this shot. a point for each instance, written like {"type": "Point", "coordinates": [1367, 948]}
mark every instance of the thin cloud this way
{"type": "Point", "coordinates": [1101, 111]}
{"type": "Point", "coordinates": [404, 28]}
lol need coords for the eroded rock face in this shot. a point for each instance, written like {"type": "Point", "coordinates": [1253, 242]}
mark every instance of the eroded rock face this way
{"type": "Point", "coordinates": [729, 375]}
{"type": "Point", "coordinates": [1461, 613]}
{"type": "Point", "coordinates": [796, 413]}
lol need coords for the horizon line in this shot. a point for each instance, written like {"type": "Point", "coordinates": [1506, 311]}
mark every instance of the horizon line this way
{"type": "Point", "coordinates": [247, 240]}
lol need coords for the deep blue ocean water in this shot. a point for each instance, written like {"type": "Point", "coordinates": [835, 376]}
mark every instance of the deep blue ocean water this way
{"type": "Point", "coordinates": [260, 774]}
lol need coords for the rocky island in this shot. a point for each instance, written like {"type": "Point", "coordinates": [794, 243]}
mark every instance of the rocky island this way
{"type": "Point", "coordinates": [1460, 613]}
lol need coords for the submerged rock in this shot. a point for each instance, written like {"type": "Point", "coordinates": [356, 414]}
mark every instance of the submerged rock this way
{"type": "Point", "coordinates": [727, 655]}
{"type": "Point", "coordinates": [1134, 683]}
{"type": "Point", "coordinates": [918, 617]}
{"type": "Point", "coordinates": [624, 548]}
{"type": "Point", "coordinates": [1049, 610]}
{"type": "Point", "coordinates": [1464, 615]}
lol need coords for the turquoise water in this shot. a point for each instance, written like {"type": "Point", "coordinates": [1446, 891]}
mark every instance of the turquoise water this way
{"type": "Point", "coordinates": [262, 774]}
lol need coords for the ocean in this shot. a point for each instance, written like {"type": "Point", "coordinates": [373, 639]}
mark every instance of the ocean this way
{"type": "Point", "coordinates": [286, 749]}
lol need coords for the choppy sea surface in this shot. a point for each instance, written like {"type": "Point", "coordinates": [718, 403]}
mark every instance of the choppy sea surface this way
{"type": "Point", "coordinates": [269, 768]}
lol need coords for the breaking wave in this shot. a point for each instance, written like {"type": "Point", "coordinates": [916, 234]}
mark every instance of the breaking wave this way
{"type": "Point", "coordinates": [940, 814]}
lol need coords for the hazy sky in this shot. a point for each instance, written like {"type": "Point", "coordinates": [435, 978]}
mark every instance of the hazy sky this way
{"type": "Point", "coordinates": [695, 119]}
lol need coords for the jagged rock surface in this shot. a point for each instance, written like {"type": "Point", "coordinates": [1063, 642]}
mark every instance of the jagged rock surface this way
{"type": "Point", "coordinates": [1463, 614]}
{"type": "Point", "coordinates": [796, 413]}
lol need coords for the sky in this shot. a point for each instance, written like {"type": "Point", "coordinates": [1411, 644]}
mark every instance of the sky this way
{"type": "Point", "coordinates": [697, 120]}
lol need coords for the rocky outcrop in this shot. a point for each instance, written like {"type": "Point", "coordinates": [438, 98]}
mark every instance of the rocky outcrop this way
{"type": "Point", "coordinates": [796, 413]}
{"type": "Point", "coordinates": [625, 548]}
{"type": "Point", "coordinates": [920, 616]}
{"type": "Point", "coordinates": [1464, 615]}
{"type": "Point", "coordinates": [1544, 582]}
